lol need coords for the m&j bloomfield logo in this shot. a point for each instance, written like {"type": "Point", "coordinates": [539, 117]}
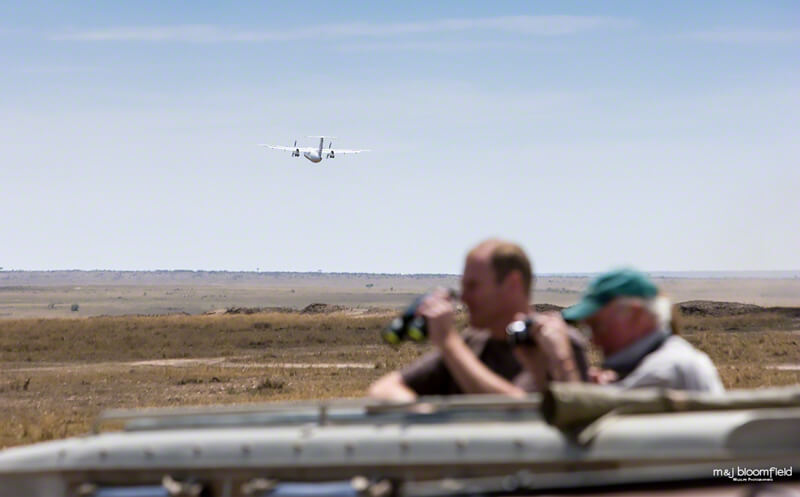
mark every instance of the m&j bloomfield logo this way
{"type": "Point", "coordinates": [739, 473]}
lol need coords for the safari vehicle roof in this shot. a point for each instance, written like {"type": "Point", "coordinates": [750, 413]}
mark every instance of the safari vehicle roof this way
{"type": "Point", "coordinates": [575, 437]}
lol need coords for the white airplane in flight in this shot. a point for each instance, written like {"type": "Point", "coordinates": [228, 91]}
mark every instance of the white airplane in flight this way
{"type": "Point", "coordinates": [315, 154]}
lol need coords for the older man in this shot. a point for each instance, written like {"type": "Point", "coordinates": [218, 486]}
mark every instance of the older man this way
{"type": "Point", "coordinates": [630, 322]}
{"type": "Point", "coordinates": [496, 286]}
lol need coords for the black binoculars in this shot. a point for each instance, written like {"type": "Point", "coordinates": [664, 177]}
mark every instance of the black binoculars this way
{"type": "Point", "coordinates": [409, 326]}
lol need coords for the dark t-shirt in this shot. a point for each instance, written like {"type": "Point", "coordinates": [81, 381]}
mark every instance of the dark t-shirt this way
{"type": "Point", "coordinates": [430, 376]}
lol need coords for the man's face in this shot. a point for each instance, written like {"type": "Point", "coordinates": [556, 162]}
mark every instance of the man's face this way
{"type": "Point", "coordinates": [619, 323]}
{"type": "Point", "coordinates": [480, 291]}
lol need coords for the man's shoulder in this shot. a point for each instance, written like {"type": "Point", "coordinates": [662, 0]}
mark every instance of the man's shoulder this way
{"type": "Point", "coordinates": [675, 351]}
{"type": "Point", "coordinates": [678, 364]}
{"type": "Point", "coordinates": [678, 349]}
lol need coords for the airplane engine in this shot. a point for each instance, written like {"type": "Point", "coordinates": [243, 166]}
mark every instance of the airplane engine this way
{"type": "Point", "coordinates": [296, 153]}
{"type": "Point", "coordinates": [331, 155]}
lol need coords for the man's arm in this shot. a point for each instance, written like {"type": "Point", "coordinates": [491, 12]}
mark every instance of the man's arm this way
{"type": "Point", "coordinates": [392, 387]}
{"type": "Point", "coordinates": [534, 362]}
{"type": "Point", "coordinates": [552, 359]}
{"type": "Point", "coordinates": [469, 372]}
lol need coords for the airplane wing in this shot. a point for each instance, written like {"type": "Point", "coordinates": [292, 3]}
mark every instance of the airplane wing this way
{"type": "Point", "coordinates": [289, 149]}
{"type": "Point", "coordinates": [345, 151]}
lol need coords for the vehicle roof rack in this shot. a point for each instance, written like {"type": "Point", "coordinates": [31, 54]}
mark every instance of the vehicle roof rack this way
{"type": "Point", "coordinates": [333, 411]}
{"type": "Point", "coordinates": [564, 405]}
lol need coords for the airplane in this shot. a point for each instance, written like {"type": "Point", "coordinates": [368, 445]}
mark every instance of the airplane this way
{"type": "Point", "coordinates": [314, 154]}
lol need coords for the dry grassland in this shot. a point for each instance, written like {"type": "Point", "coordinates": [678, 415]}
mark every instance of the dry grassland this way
{"type": "Point", "coordinates": [58, 374]}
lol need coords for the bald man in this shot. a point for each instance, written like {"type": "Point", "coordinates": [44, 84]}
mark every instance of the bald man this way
{"type": "Point", "coordinates": [495, 287]}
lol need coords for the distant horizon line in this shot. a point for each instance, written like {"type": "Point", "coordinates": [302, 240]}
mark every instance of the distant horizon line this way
{"type": "Point", "coordinates": [785, 273]}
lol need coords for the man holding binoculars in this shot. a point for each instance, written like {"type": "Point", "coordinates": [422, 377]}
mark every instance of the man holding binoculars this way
{"type": "Point", "coordinates": [633, 325]}
{"type": "Point", "coordinates": [495, 287]}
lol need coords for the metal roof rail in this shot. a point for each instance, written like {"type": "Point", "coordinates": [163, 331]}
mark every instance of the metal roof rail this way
{"type": "Point", "coordinates": [338, 411]}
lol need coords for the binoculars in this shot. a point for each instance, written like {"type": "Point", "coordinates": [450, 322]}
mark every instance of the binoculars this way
{"type": "Point", "coordinates": [520, 332]}
{"type": "Point", "coordinates": [409, 326]}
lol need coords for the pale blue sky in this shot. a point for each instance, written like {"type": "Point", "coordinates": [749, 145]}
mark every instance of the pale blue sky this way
{"type": "Point", "coordinates": [663, 135]}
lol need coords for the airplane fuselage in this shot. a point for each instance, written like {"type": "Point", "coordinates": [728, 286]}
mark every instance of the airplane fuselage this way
{"type": "Point", "coordinates": [317, 155]}
{"type": "Point", "coordinates": [312, 157]}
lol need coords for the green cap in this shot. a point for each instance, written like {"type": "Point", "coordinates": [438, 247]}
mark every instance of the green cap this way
{"type": "Point", "coordinates": [607, 287]}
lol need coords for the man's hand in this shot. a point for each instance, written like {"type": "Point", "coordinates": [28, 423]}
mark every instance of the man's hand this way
{"type": "Point", "coordinates": [392, 387]}
{"type": "Point", "coordinates": [439, 312]}
{"type": "Point", "coordinates": [602, 376]}
{"type": "Point", "coordinates": [553, 347]}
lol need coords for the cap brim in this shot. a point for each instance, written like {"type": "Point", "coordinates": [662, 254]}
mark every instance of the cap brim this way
{"type": "Point", "coordinates": [580, 311]}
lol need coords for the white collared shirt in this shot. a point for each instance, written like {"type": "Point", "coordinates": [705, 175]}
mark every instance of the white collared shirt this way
{"type": "Point", "coordinates": [676, 364]}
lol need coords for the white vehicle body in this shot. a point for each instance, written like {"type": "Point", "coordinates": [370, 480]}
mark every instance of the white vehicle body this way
{"type": "Point", "coordinates": [315, 154]}
{"type": "Point", "coordinates": [480, 445]}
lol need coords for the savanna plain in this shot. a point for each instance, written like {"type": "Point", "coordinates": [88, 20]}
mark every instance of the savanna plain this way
{"type": "Point", "coordinates": [75, 343]}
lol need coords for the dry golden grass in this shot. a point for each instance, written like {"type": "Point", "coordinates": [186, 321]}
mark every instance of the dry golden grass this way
{"type": "Point", "coordinates": [746, 348]}
{"type": "Point", "coordinates": [58, 374]}
{"type": "Point", "coordinates": [748, 359]}
{"type": "Point", "coordinates": [756, 321]}
{"type": "Point", "coordinates": [58, 403]}
{"type": "Point", "coordinates": [143, 337]}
